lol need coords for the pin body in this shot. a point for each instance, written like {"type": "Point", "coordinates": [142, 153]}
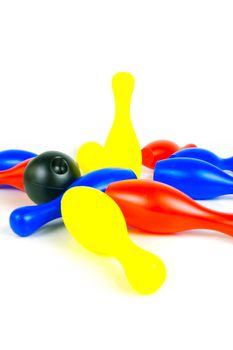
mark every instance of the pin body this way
{"type": "Point", "coordinates": [97, 223]}
{"type": "Point", "coordinates": [197, 178]}
{"type": "Point", "coordinates": [27, 220]}
{"type": "Point", "coordinates": [158, 208]}
{"type": "Point", "coordinates": [122, 147]}
{"type": "Point", "coordinates": [13, 177]}
{"type": "Point", "coordinates": [207, 156]}
{"type": "Point", "coordinates": [158, 150]}
{"type": "Point", "coordinates": [10, 158]}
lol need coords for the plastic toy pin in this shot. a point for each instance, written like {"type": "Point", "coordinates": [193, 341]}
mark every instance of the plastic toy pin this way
{"type": "Point", "coordinates": [207, 156]}
{"type": "Point", "coordinates": [158, 150]}
{"type": "Point", "coordinates": [10, 158]}
{"type": "Point", "coordinates": [27, 220]}
{"type": "Point", "coordinates": [158, 208]}
{"type": "Point", "coordinates": [121, 148]}
{"type": "Point", "coordinates": [97, 223]}
{"type": "Point", "coordinates": [13, 177]}
{"type": "Point", "coordinates": [196, 178]}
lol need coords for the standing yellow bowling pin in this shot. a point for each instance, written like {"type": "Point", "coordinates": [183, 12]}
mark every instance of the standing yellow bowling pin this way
{"type": "Point", "coordinates": [121, 148]}
{"type": "Point", "coordinates": [96, 222]}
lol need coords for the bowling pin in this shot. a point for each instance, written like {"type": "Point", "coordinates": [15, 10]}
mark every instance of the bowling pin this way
{"type": "Point", "coordinates": [27, 220]}
{"type": "Point", "coordinates": [158, 150]}
{"type": "Point", "coordinates": [10, 158]}
{"type": "Point", "coordinates": [207, 156]}
{"type": "Point", "coordinates": [14, 177]}
{"type": "Point", "coordinates": [197, 178]}
{"type": "Point", "coordinates": [121, 148]}
{"type": "Point", "coordinates": [97, 223]}
{"type": "Point", "coordinates": [158, 208]}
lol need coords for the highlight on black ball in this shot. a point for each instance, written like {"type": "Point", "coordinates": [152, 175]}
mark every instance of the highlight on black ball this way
{"type": "Point", "coordinates": [48, 175]}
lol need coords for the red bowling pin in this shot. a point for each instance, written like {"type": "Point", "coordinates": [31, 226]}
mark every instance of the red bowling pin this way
{"type": "Point", "coordinates": [158, 208]}
{"type": "Point", "coordinates": [158, 150]}
{"type": "Point", "coordinates": [14, 177]}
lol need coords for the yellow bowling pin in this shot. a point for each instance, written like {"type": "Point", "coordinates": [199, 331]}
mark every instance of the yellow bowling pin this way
{"type": "Point", "coordinates": [96, 222]}
{"type": "Point", "coordinates": [121, 148]}
{"type": "Point", "coordinates": [90, 157]}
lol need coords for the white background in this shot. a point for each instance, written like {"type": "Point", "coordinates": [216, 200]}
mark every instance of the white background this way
{"type": "Point", "coordinates": [56, 63]}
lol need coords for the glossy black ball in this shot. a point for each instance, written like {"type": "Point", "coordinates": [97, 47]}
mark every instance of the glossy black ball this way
{"type": "Point", "coordinates": [49, 175]}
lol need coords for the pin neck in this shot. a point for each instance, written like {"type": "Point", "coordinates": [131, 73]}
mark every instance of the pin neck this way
{"type": "Point", "coordinates": [228, 163]}
{"type": "Point", "coordinates": [122, 112]}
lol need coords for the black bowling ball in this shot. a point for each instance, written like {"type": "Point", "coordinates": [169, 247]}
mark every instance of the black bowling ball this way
{"type": "Point", "coordinates": [49, 175]}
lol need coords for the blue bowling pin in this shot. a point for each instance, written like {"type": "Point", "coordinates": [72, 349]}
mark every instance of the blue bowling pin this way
{"type": "Point", "coordinates": [26, 220]}
{"type": "Point", "coordinates": [197, 178]}
{"type": "Point", "coordinates": [10, 158]}
{"type": "Point", "coordinates": [207, 156]}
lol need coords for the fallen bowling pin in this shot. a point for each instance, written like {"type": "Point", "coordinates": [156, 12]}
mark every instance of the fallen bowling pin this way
{"type": "Point", "coordinates": [13, 177]}
{"type": "Point", "coordinates": [158, 150]}
{"type": "Point", "coordinates": [197, 178]}
{"type": "Point", "coordinates": [207, 156]}
{"type": "Point", "coordinates": [155, 207]}
{"type": "Point", "coordinates": [10, 158]}
{"type": "Point", "coordinates": [121, 148]}
{"type": "Point", "coordinates": [27, 220]}
{"type": "Point", "coordinates": [97, 223]}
